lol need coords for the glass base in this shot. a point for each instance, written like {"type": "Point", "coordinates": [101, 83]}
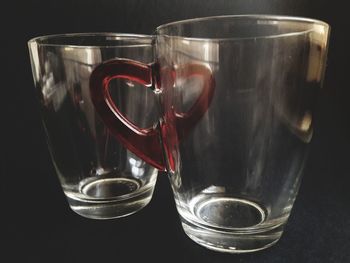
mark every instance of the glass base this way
{"type": "Point", "coordinates": [230, 242]}
{"type": "Point", "coordinates": [229, 224]}
{"type": "Point", "coordinates": [111, 198]}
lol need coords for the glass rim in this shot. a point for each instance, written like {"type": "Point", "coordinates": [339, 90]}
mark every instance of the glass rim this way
{"type": "Point", "coordinates": [138, 38]}
{"type": "Point", "coordinates": [266, 17]}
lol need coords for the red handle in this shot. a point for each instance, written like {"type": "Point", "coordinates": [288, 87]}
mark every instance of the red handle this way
{"type": "Point", "coordinates": [186, 121]}
{"type": "Point", "coordinates": [145, 143]}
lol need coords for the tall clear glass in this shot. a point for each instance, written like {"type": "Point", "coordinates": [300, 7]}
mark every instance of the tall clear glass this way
{"type": "Point", "coordinates": [100, 178]}
{"type": "Point", "coordinates": [236, 175]}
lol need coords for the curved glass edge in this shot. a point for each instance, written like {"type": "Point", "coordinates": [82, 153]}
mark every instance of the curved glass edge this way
{"type": "Point", "coordinates": [318, 26]}
{"type": "Point", "coordinates": [140, 39]}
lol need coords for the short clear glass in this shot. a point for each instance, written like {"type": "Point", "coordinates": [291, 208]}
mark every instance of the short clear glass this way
{"type": "Point", "coordinates": [100, 178]}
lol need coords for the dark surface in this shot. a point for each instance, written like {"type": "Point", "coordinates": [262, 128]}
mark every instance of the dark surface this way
{"type": "Point", "coordinates": [38, 226]}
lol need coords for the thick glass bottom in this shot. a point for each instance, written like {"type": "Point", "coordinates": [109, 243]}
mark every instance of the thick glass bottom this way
{"type": "Point", "coordinates": [110, 198]}
{"type": "Point", "coordinates": [229, 224]}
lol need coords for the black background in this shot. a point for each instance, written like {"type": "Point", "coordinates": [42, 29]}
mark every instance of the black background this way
{"type": "Point", "coordinates": [36, 223]}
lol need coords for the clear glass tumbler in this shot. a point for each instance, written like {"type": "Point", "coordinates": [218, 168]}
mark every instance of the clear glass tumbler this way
{"type": "Point", "coordinates": [100, 178]}
{"type": "Point", "coordinates": [236, 175]}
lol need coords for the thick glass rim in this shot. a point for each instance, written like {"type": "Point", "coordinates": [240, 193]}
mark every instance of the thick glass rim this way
{"type": "Point", "coordinates": [141, 40]}
{"type": "Point", "coordinates": [266, 17]}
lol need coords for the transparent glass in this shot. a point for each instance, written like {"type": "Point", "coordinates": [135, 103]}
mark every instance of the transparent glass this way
{"type": "Point", "coordinates": [236, 175]}
{"type": "Point", "coordinates": [100, 178]}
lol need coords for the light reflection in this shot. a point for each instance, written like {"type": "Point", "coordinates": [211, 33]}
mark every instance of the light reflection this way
{"type": "Point", "coordinates": [305, 123]}
{"type": "Point", "coordinates": [137, 172]}
{"type": "Point", "coordinates": [53, 89]}
{"type": "Point", "coordinates": [206, 51]}
{"type": "Point", "coordinates": [134, 162]}
{"type": "Point", "coordinates": [137, 167]}
{"type": "Point", "coordinates": [89, 57]}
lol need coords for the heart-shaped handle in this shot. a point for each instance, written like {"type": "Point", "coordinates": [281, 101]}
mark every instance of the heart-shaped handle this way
{"type": "Point", "coordinates": [145, 143]}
